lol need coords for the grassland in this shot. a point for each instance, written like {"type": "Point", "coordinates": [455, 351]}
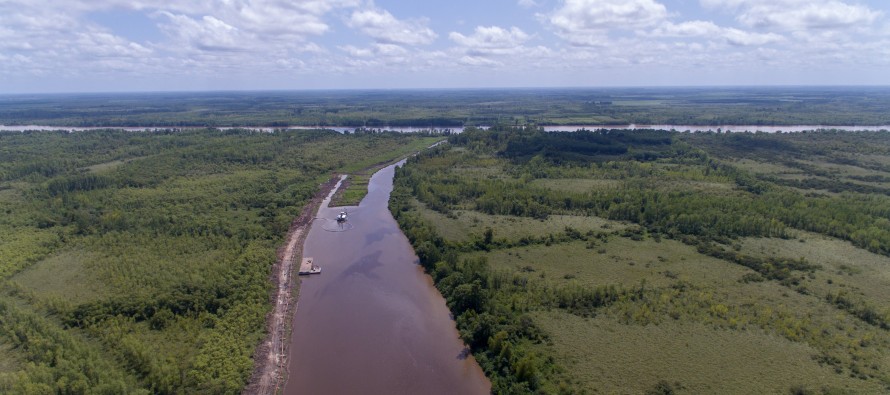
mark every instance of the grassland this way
{"type": "Point", "coordinates": [572, 271]}
{"type": "Point", "coordinates": [139, 262]}
{"type": "Point", "coordinates": [612, 358]}
{"type": "Point", "coordinates": [466, 225]}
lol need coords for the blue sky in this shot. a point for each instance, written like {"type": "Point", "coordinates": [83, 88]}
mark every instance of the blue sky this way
{"type": "Point", "coordinates": [155, 45]}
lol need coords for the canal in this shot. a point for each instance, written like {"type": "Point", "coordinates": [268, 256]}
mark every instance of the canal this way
{"type": "Point", "coordinates": [372, 322]}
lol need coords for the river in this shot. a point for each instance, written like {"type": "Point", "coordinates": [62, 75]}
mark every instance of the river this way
{"type": "Point", "coordinates": [413, 129]}
{"type": "Point", "coordinates": [372, 322]}
{"type": "Point", "coordinates": [722, 128]}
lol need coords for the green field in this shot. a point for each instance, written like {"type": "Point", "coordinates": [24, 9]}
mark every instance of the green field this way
{"type": "Point", "coordinates": [617, 262]}
{"type": "Point", "coordinates": [609, 357]}
{"type": "Point", "coordinates": [140, 262]}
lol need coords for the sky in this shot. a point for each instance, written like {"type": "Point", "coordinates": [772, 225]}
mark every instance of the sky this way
{"type": "Point", "coordinates": [199, 45]}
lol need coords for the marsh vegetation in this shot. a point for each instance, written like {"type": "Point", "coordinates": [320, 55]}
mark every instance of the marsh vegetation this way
{"type": "Point", "coordinates": [590, 261]}
{"type": "Point", "coordinates": [653, 261]}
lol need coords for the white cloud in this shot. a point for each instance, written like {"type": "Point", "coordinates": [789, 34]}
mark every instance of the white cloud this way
{"type": "Point", "coordinates": [687, 29]}
{"type": "Point", "coordinates": [275, 17]}
{"type": "Point", "coordinates": [41, 38]}
{"type": "Point", "coordinates": [797, 14]}
{"type": "Point", "coordinates": [284, 40]}
{"type": "Point", "coordinates": [494, 47]}
{"type": "Point", "coordinates": [107, 45]}
{"type": "Point", "coordinates": [492, 40]}
{"type": "Point", "coordinates": [586, 22]}
{"type": "Point", "coordinates": [385, 28]}
{"type": "Point", "coordinates": [206, 34]}
{"type": "Point", "coordinates": [386, 50]}
{"type": "Point", "coordinates": [743, 38]}
{"type": "Point", "coordinates": [257, 25]}
{"type": "Point", "coordinates": [479, 61]}
{"type": "Point", "coordinates": [580, 15]}
{"type": "Point", "coordinates": [709, 30]}
{"type": "Point", "coordinates": [202, 36]}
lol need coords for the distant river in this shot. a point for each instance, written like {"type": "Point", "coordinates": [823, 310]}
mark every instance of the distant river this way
{"type": "Point", "coordinates": [722, 128]}
{"type": "Point", "coordinates": [341, 129]}
{"type": "Point", "coordinates": [372, 322]}
{"type": "Point", "coordinates": [412, 129]}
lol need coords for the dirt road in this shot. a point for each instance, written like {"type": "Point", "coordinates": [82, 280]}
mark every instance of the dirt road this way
{"type": "Point", "coordinates": [270, 359]}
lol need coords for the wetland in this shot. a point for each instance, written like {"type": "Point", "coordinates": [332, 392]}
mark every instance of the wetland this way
{"type": "Point", "coordinates": [521, 259]}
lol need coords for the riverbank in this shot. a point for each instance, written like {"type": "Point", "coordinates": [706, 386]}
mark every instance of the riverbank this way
{"type": "Point", "coordinates": [270, 358]}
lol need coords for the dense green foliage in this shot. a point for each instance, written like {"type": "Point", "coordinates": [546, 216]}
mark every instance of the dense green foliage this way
{"type": "Point", "coordinates": [457, 108]}
{"type": "Point", "coordinates": [669, 186]}
{"type": "Point", "coordinates": [139, 262]}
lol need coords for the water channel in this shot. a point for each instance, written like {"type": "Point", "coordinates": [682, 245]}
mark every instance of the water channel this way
{"type": "Point", "coordinates": [372, 322]}
{"type": "Point", "coordinates": [413, 129]}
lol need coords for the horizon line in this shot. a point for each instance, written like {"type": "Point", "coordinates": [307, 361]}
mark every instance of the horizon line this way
{"type": "Point", "coordinates": [454, 89]}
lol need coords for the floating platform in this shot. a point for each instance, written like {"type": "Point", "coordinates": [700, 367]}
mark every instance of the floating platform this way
{"type": "Point", "coordinates": [308, 267]}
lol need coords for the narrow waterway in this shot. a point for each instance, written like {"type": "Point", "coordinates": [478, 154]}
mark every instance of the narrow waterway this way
{"type": "Point", "coordinates": [372, 322]}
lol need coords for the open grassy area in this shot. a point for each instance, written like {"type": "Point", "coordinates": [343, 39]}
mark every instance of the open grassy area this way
{"type": "Point", "coordinates": [62, 277]}
{"type": "Point", "coordinates": [707, 264]}
{"type": "Point", "coordinates": [861, 273]}
{"type": "Point", "coordinates": [464, 225]}
{"type": "Point", "coordinates": [608, 357]}
{"type": "Point", "coordinates": [618, 261]}
{"type": "Point", "coordinates": [356, 187]}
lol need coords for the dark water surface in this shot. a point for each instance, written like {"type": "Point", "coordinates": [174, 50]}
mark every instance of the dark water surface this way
{"type": "Point", "coordinates": [372, 322]}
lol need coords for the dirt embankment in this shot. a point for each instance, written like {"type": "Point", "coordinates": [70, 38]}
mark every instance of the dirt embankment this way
{"type": "Point", "coordinates": [337, 199]}
{"type": "Point", "coordinates": [270, 358]}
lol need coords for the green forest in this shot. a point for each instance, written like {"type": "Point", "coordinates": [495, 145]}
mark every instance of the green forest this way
{"type": "Point", "coordinates": [456, 108]}
{"type": "Point", "coordinates": [660, 262]}
{"type": "Point", "coordinates": [140, 262]}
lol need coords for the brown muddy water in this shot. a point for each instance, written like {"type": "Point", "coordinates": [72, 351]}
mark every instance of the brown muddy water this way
{"type": "Point", "coordinates": [372, 322]}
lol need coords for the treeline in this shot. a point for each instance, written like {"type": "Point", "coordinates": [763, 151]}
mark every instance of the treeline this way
{"type": "Point", "coordinates": [525, 142]}
{"type": "Point", "coordinates": [831, 143]}
{"type": "Point", "coordinates": [500, 336]}
{"type": "Point", "coordinates": [830, 185]}
{"type": "Point", "coordinates": [773, 268]}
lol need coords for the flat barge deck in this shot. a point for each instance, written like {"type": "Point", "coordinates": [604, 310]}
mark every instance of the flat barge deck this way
{"type": "Point", "coordinates": [308, 267]}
